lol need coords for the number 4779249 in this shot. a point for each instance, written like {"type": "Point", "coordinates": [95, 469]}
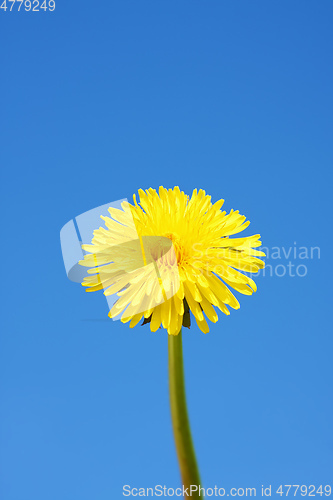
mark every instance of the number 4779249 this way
{"type": "Point", "coordinates": [34, 6]}
{"type": "Point", "coordinates": [310, 491]}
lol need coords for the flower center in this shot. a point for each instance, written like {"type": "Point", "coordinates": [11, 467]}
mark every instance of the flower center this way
{"type": "Point", "coordinates": [179, 249]}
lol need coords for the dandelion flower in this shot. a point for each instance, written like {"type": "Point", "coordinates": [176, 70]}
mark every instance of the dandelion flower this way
{"type": "Point", "coordinates": [166, 257]}
{"type": "Point", "coordinates": [169, 255]}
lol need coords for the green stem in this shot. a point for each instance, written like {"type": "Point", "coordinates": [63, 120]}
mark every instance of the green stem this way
{"type": "Point", "coordinates": [180, 422]}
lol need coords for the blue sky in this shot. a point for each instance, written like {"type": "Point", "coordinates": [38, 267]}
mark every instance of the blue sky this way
{"type": "Point", "coordinates": [97, 101]}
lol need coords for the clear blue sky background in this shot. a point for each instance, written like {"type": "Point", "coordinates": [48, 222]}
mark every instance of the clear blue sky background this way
{"type": "Point", "coordinates": [99, 99]}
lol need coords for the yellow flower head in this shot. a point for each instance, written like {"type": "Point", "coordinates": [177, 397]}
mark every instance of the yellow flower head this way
{"type": "Point", "coordinates": [169, 255]}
